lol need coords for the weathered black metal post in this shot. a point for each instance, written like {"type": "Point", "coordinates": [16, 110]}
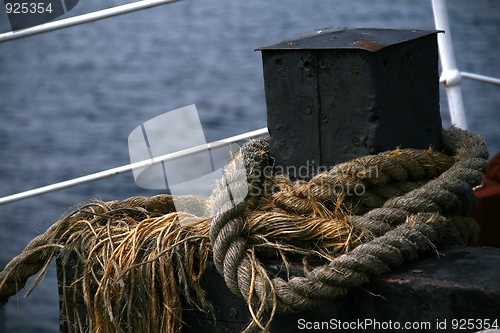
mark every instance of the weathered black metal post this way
{"type": "Point", "coordinates": [333, 95]}
{"type": "Point", "coordinates": [336, 94]}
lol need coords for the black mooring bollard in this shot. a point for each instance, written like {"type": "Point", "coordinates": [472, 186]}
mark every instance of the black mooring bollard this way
{"type": "Point", "coordinates": [333, 95]}
{"type": "Point", "coordinates": [337, 94]}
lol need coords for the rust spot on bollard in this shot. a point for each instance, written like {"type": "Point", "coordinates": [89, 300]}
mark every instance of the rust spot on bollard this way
{"type": "Point", "coordinates": [371, 45]}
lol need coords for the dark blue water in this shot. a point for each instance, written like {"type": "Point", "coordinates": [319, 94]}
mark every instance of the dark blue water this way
{"type": "Point", "coordinates": [69, 99]}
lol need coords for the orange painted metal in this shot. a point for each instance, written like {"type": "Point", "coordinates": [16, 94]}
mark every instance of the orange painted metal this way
{"type": "Point", "coordinates": [487, 213]}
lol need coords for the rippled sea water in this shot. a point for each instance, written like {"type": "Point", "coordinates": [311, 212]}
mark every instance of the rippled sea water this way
{"type": "Point", "coordinates": [70, 98]}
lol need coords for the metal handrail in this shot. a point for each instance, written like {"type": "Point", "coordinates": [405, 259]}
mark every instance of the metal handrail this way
{"type": "Point", "coordinates": [480, 78]}
{"type": "Point", "coordinates": [85, 18]}
{"type": "Point", "coordinates": [476, 77]}
{"type": "Point", "coordinates": [451, 76]}
{"type": "Point", "coordinates": [130, 167]}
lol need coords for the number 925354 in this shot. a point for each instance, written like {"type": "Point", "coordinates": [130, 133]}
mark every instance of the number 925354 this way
{"type": "Point", "coordinates": [28, 8]}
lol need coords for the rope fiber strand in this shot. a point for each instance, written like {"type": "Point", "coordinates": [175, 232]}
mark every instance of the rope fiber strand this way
{"type": "Point", "coordinates": [136, 262]}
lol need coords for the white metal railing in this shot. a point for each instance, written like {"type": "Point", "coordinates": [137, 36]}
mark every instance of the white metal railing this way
{"type": "Point", "coordinates": [130, 167]}
{"type": "Point", "coordinates": [80, 19]}
{"type": "Point", "coordinates": [451, 77]}
{"type": "Point", "coordinates": [481, 78]}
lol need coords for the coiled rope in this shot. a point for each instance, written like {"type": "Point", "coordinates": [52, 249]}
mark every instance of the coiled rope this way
{"type": "Point", "coordinates": [411, 201]}
{"type": "Point", "coordinates": [405, 217]}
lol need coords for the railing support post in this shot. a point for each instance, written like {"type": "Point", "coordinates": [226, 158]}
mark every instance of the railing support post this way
{"type": "Point", "coordinates": [450, 76]}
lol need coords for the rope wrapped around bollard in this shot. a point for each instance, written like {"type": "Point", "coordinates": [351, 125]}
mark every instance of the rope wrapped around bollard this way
{"type": "Point", "coordinates": [400, 226]}
{"type": "Point", "coordinates": [355, 220]}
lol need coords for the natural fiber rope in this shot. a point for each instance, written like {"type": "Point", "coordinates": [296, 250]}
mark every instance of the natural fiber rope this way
{"type": "Point", "coordinates": [403, 226]}
{"type": "Point", "coordinates": [411, 201]}
{"type": "Point", "coordinates": [40, 251]}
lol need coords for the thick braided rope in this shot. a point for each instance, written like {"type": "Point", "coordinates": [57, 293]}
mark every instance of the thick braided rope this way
{"type": "Point", "coordinates": [409, 210]}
